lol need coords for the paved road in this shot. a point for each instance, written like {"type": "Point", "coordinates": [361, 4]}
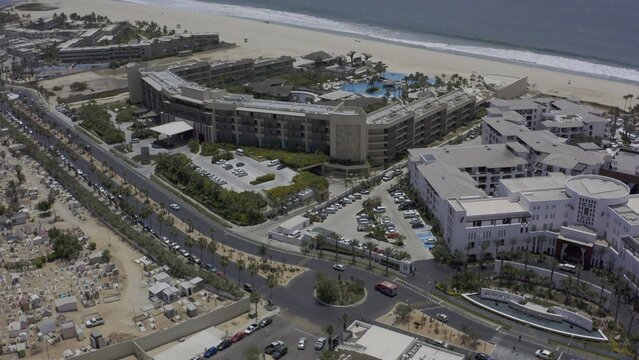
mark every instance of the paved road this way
{"type": "Point", "coordinates": [414, 289]}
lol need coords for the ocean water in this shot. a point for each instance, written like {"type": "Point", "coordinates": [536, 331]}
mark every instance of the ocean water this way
{"type": "Point", "coordinates": [595, 37]}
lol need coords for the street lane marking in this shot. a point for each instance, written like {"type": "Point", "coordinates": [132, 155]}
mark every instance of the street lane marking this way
{"type": "Point", "coordinates": [306, 333]}
{"type": "Point", "coordinates": [418, 291]}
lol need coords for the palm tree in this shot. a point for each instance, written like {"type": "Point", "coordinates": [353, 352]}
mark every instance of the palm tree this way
{"type": "Point", "coordinates": [512, 242]}
{"type": "Point", "coordinates": [553, 266]}
{"type": "Point", "coordinates": [329, 334]}
{"type": "Point", "coordinates": [345, 318]}
{"type": "Point", "coordinates": [241, 265]}
{"type": "Point", "coordinates": [354, 244]}
{"type": "Point", "coordinates": [224, 262]}
{"type": "Point", "coordinates": [172, 233]}
{"type": "Point", "coordinates": [189, 242]}
{"type": "Point", "coordinates": [336, 237]}
{"type": "Point", "coordinates": [497, 243]}
{"type": "Point", "coordinates": [211, 231]}
{"type": "Point", "coordinates": [387, 252]}
{"type": "Point", "coordinates": [320, 239]}
{"type": "Point", "coordinates": [146, 212]}
{"type": "Point", "coordinates": [370, 246]}
{"type": "Point", "coordinates": [527, 241]}
{"type": "Point", "coordinates": [482, 249]}
{"type": "Point", "coordinates": [201, 242]}
{"type": "Point", "coordinates": [540, 242]}
{"type": "Point", "coordinates": [271, 282]}
{"type": "Point", "coordinates": [212, 248]}
{"type": "Point", "coordinates": [626, 98]}
{"type": "Point", "coordinates": [255, 299]}
{"type": "Point", "coordinates": [253, 270]}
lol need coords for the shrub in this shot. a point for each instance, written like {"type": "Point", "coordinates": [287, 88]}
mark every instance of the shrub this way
{"type": "Point", "coordinates": [262, 179]}
{"type": "Point", "coordinates": [78, 86]}
{"type": "Point", "coordinates": [96, 119]}
{"type": "Point", "coordinates": [57, 88]}
{"type": "Point", "coordinates": [65, 245]}
{"type": "Point", "coordinates": [194, 146]}
{"type": "Point", "coordinates": [301, 181]}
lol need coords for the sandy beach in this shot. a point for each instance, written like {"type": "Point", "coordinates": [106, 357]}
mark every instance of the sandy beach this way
{"type": "Point", "coordinates": [269, 40]}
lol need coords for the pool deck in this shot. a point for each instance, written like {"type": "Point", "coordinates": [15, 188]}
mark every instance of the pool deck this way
{"type": "Point", "coordinates": [595, 335]}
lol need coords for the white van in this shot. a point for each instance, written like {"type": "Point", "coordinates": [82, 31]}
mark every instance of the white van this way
{"type": "Point", "coordinates": [567, 267]}
{"type": "Point", "coordinates": [380, 209]}
{"type": "Point", "coordinates": [239, 152]}
{"type": "Point", "coordinates": [295, 233]}
{"type": "Point", "coordinates": [273, 162]}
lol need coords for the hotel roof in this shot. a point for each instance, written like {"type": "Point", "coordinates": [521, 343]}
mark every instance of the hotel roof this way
{"type": "Point", "coordinates": [552, 181]}
{"type": "Point", "coordinates": [468, 156]}
{"type": "Point", "coordinates": [630, 210]}
{"type": "Point", "coordinates": [489, 208]}
{"type": "Point", "coordinates": [598, 187]}
{"type": "Point", "coordinates": [448, 181]}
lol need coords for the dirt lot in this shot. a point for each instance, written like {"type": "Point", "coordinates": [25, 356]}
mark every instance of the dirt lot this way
{"type": "Point", "coordinates": [98, 80]}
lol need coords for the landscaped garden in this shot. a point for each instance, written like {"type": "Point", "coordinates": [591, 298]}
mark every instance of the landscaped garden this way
{"type": "Point", "coordinates": [242, 208]}
{"type": "Point", "coordinates": [338, 291]}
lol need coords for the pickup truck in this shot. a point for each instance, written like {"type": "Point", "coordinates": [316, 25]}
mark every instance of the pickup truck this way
{"type": "Point", "coordinates": [93, 322]}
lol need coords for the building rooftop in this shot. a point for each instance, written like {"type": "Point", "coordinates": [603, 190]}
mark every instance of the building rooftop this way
{"type": "Point", "coordinates": [555, 181]}
{"type": "Point", "coordinates": [469, 156]}
{"type": "Point", "coordinates": [489, 208]}
{"type": "Point", "coordinates": [626, 161]}
{"type": "Point", "coordinates": [598, 187]}
{"type": "Point", "coordinates": [448, 181]}
{"type": "Point", "coordinates": [630, 210]}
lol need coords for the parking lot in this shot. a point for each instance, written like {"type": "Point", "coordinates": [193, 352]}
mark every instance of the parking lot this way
{"type": "Point", "coordinates": [284, 328]}
{"type": "Point", "coordinates": [344, 222]}
{"type": "Point", "coordinates": [252, 168]}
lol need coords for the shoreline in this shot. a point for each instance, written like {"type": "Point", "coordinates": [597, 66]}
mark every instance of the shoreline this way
{"type": "Point", "coordinates": [271, 39]}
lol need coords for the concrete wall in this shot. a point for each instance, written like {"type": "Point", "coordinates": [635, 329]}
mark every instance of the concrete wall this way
{"type": "Point", "coordinates": [194, 325]}
{"type": "Point", "coordinates": [139, 346]}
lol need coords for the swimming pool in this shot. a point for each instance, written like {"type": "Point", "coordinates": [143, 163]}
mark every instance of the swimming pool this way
{"type": "Point", "coordinates": [361, 88]}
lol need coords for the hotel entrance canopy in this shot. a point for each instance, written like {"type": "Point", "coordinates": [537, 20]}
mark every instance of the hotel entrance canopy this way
{"type": "Point", "coordinates": [172, 128]}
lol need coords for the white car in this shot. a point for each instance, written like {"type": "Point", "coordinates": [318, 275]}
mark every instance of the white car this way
{"type": "Point", "coordinates": [442, 317]}
{"type": "Point", "coordinates": [175, 207]}
{"type": "Point", "coordinates": [301, 344]}
{"type": "Point", "coordinates": [251, 329]}
{"type": "Point", "coordinates": [339, 267]}
{"type": "Point", "coordinates": [544, 354]}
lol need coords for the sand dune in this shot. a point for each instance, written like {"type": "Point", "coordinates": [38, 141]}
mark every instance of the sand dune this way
{"type": "Point", "coordinates": [268, 39]}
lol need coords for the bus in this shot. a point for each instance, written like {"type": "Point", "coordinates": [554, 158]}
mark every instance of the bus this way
{"type": "Point", "coordinates": [387, 287]}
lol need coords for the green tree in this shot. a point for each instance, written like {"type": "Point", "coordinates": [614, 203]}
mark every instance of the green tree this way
{"type": "Point", "coordinates": [370, 246]}
{"type": "Point", "coordinates": [241, 265]}
{"type": "Point", "coordinates": [345, 319]}
{"type": "Point", "coordinates": [65, 245]}
{"type": "Point", "coordinates": [402, 310]}
{"type": "Point", "coordinates": [224, 262]}
{"type": "Point", "coordinates": [553, 267]}
{"type": "Point", "coordinates": [92, 245]}
{"type": "Point", "coordinates": [325, 289]}
{"type": "Point", "coordinates": [388, 252]}
{"type": "Point", "coordinates": [106, 256]}
{"type": "Point", "coordinates": [329, 330]}
{"type": "Point", "coordinates": [19, 174]}
{"type": "Point", "coordinates": [189, 242]}
{"type": "Point", "coordinates": [320, 239]}
{"type": "Point", "coordinates": [201, 243]}
{"type": "Point", "coordinates": [271, 282]}
{"type": "Point", "coordinates": [253, 269]}
{"type": "Point", "coordinates": [354, 244]}
{"type": "Point", "coordinates": [255, 299]}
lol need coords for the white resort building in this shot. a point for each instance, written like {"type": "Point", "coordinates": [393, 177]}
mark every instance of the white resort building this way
{"type": "Point", "coordinates": [526, 188]}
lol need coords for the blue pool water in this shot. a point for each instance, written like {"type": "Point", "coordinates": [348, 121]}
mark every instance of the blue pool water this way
{"type": "Point", "coordinates": [362, 87]}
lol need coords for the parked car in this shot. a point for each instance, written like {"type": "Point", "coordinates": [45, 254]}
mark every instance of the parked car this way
{"type": "Point", "coordinates": [281, 166]}
{"type": "Point", "coordinates": [265, 322]}
{"type": "Point", "coordinates": [279, 352]}
{"type": "Point", "coordinates": [251, 329]}
{"type": "Point", "coordinates": [238, 336]}
{"type": "Point", "coordinates": [240, 164]}
{"type": "Point", "coordinates": [249, 287]}
{"type": "Point", "coordinates": [544, 354]}
{"type": "Point", "coordinates": [482, 356]}
{"type": "Point", "coordinates": [442, 317]}
{"type": "Point", "coordinates": [339, 267]}
{"type": "Point", "coordinates": [272, 346]}
{"type": "Point", "coordinates": [320, 343]}
{"type": "Point", "coordinates": [301, 343]}
{"type": "Point", "coordinates": [273, 163]}
{"type": "Point", "coordinates": [210, 352]}
{"type": "Point", "coordinates": [225, 344]}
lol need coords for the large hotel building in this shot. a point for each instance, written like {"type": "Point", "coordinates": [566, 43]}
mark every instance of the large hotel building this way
{"type": "Point", "coordinates": [347, 134]}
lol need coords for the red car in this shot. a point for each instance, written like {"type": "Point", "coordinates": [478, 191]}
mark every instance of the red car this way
{"type": "Point", "coordinates": [238, 336]}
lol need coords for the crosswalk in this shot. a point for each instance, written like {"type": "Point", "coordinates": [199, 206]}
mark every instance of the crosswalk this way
{"type": "Point", "coordinates": [419, 291]}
